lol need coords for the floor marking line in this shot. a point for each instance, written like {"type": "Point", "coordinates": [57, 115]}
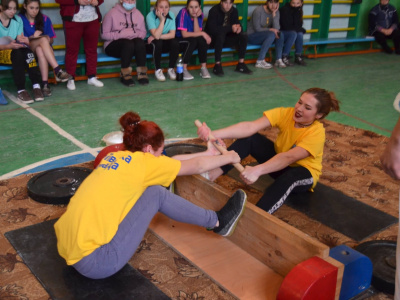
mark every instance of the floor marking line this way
{"type": "Point", "coordinates": [42, 162]}
{"type": "Point", "coordinates": [51, 124]}
{"type": "Point", "coordinates": [55, 158]}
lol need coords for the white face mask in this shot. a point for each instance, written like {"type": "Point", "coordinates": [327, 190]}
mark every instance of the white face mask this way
{"type": "Point", "coordinates": [129, 6]}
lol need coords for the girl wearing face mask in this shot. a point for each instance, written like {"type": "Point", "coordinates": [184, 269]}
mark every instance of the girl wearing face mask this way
{"type": "Point", "coordinates": [123, 31]}
{"type": "Point", "coordinates": [291, 21]}
{"type": "Point", "coordinates": [81, 20]}
{"type": "Point", "coordinates": [189, 25]}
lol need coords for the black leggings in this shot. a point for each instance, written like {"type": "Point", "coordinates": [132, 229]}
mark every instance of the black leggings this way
{"type": "Point", "coordinates": [239, 41]}
{"type": "Point", "coordinates": [126, 49]}
{"type": "Point", "coordinates": [198, 43]}
{"type": "Point", "coordinates": [287, 180]}
{"type": "Point", "coordinates": [21, 59]}
{"type": "Point", "coordinates": [157, 47]}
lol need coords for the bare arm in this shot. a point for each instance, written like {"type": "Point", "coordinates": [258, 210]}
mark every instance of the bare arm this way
{"type": "Point", "coordinates": [239, 130]}
{"type": "Point", "coordinates": [390, 158]}
{"type": "Point", "coordinates": [201, 164]}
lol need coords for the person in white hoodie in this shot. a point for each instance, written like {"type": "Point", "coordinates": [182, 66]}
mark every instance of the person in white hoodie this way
{"type": "Point", "coordinates": [123, 31]}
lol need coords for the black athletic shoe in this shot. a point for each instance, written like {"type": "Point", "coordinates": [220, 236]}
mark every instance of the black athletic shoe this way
{"type": "Point", "coordinates": [242, 68]}
{"type": "Point", "coordinates": [299, 60]}
{"type": "Point", "coordinates": [230, 214]}
{"type": "Point", "coordinates": [218, 70]}
{"type": "Point", "coordinates": [286, 61]}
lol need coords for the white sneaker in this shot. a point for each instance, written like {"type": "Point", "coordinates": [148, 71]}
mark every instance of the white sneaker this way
{"type": "Point", "coordinates": [396, 103]}
{"type": "Point", "coordinates": [262, 64]}
{"type": "Point", "coordinates": [171, 74]}
{"type": "Point", "coordinates": [94, 81]}
{"type": "Point", "coordinates": [71, 85]}
{"type": "Point", "coordinates": [187, 75]}
{"type": "Point", "coordinates": [159, 75]}
{"type": "Point", "coordinates": [204, 73]}
{"type": "Point", "coordinates": [280, 64]}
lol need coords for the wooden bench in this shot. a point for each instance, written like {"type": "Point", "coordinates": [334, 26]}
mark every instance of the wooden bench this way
{"type": "Point", "coordinates": [256, 259]}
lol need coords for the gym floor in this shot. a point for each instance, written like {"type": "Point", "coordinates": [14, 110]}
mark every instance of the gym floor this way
{"type": "Point", "coordinates": [68, 127]}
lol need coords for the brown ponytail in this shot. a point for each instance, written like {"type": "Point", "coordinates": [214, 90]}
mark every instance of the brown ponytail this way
{"type": "Point", "coordinates": [327, 100]}
{"type": "Point", "coordinates": [139, 133]}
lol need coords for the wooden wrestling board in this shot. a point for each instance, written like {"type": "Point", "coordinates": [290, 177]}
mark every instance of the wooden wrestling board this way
{"type": "Point", "coordinates": [261, 244]}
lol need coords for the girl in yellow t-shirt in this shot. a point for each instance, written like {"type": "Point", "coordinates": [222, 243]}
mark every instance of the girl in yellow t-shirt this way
{"type": "Point", "coordinates": [294, 160]}
{"type": "Point", "coordinates": [108, 216]}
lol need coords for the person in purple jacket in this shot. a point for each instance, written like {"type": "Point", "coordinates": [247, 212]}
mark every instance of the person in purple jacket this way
{"type": "Point", "coordinates": [189, 28]}
{"type": "Point", "coordinates": [39, 29]}
{"type": "Point", "coordinates": [123, 31]}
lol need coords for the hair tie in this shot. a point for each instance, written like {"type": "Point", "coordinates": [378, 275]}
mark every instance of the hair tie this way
{"type": "Point", "coordinates": [134, 123]}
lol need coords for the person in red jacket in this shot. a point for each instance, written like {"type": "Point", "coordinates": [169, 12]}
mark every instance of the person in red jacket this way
{"type": "Point", "coordinates": [81, 20]}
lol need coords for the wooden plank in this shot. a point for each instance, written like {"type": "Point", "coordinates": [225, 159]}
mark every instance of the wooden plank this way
{"type": "Point", "coordinates": [265, 237]}
{"type": "Point", "coordinates": [340, 267]}
{"type": "Point", "coordinates": [224, 262]}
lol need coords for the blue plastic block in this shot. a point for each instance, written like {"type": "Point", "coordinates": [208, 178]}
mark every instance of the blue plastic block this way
{"type": "Point", "coordinates": [357, 273]}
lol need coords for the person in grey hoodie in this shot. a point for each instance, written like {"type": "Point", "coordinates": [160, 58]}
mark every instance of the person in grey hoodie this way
{"type": "Point", "coordinates": [263, 29]}
{"type": "Point", "coordinates": [123, 31]}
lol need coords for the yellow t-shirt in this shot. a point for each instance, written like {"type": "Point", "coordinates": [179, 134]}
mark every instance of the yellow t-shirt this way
{"type": "Point", "coordinates": [105, 197]}
{"type": "Point", "coordinates": [311, 138]}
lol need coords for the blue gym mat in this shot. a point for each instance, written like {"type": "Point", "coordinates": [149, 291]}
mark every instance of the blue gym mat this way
{"type": "Point", "coordinates": [37, 246]}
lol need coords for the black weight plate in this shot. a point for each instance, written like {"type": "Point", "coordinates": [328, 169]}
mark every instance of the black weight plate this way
{"type": "Point", "coordinates": [175, 149]}
{"type": "Point", "coordinates": [383, 257]}
{"type": "Point", "coordinates": [56, 186]}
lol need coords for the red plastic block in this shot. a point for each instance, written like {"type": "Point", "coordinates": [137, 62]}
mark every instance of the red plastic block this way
{"type": "Point", "coordinates": [313, 279]}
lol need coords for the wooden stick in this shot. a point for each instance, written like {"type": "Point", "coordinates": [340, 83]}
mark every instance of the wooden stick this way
{"type": "Point", "coordinates": [221, 149]}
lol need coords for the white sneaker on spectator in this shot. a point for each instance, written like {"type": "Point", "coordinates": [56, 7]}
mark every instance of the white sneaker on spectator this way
{"type": "Point", "coordinates": [94, 81]}
{"type": "Point", "coordinates": [204, 73]}
{"type": "Point", "coordinates": [171, 74]}
{"type": "Point", "coordinates": [187, 75]}
{"type": "Point", "coordinates": [159, 75]}
{"type": "Point", "coordinates": [280, 64]}
{"type": "Point", "coordinates": [71, 85]}
{"type": "Point", "coordinates": [262, 64]}
{"type": "Point", "coordinates": [396, 103]}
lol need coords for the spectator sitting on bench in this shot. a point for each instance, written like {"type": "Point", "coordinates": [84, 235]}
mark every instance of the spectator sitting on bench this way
{"type": "Point", "coordinates": [263, 29]}
{"type": "Point", "coordinates": [14, 52]}
{"type": "Point", "coordinates": [189, 25]}
{"type": "Point", "coordinates": [291, 21]}
{"type": "Point", "coordinates": [225, 30]}
{"type": "Point", "coordinates": [161, 30]}
{"type": "Point", "coordinates": [384, 24]}
{"type": "Point", "coordinates": [81, 20]}
{"type": "Point", "coordinates": [123, 31]}
{"type": "Point", "coordinates": [40, 31]}
{"type": "Point", "coordinates": [294, 160]}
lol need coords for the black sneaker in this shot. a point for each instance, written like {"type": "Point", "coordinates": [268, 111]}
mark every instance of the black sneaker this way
{"type": "Point", "coordinates": [230, 214]}
{"type": "Point", "coordinates": [38, 95]}
{"type": "Point", "coordinates": [63, 76]}
{"type": "Point", "coordinates": [299, 60]}
{"type": "Point", "coordinates": [242, 68]}
{"type": "Point", "coordinates": [218, 70]}
{"type": "Point", "coordinates": [127, 80]}
{"type": "Point", "coordinates": [286, 61]}
{"type": "Point", "coordinates": [46, 90]}
{"type": "Point", "coordinates": [25, 97]}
